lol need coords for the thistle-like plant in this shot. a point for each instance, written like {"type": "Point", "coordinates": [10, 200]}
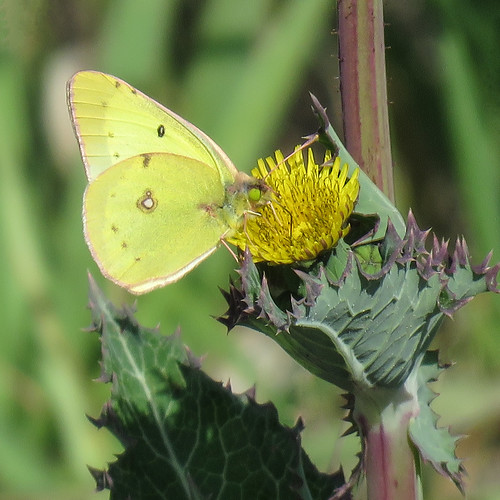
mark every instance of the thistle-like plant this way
{"type": "Point", "coordinates": [357, 303]}
{"type": "Point", "coordinates": [362, 315]}
{"type": "Point", "coordinates": [330, 271]}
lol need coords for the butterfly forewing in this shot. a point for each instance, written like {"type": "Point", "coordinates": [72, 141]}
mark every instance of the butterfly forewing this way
{"type": "Point", "coordinates": [113, 122]}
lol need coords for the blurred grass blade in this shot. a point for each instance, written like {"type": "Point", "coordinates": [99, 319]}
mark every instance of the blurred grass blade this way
{"type": "Point", "coordinates": [136, 32]}
{"type": "Point", "coordinates": [263, 81]}
{"type": "Point", "coordinates": [476, 158]}
{"type": "Point", "coordinates": [20, 223]}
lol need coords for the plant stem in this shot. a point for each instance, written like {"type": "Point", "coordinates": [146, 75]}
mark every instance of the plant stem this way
{"type": "Point", "coordinates": [363, 89]}
{"type": "Point", "coordinates": [383, 417]}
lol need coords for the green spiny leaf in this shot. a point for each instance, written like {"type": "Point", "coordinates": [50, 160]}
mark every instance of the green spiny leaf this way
{"type": "Point", "coordinates": [186, 436]}
{"type": "Point", "coordinates": [435, 445]}
{"type": "Point", "coordinates": [362, 316]}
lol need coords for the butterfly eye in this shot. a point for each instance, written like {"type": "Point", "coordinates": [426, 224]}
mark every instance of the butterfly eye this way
{"type": "Point", "coordinates": [254, 194]}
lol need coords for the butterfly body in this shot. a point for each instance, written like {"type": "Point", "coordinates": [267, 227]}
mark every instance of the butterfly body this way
{"type": "Point", "coordinates": [161, 193]}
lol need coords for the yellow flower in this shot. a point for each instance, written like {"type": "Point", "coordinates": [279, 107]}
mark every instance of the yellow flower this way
{"type": "Point", "coordinates": [309, 211]}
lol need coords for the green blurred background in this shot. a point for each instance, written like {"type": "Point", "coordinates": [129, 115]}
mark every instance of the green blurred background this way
{"type": "Point", "coordinates": [241, 71]}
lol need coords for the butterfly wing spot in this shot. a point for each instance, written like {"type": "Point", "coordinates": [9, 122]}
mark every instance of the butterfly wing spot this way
{"type": "Point", "coordinates": [117, 84]}
{"type": "Point", "coordinates": [111, 134]}
{"type": "Point", "coordinates": [124, 244]}
{"type": "Point", "coordinates": [146, 203]}
{"type": "Point", "coordinates": [209, 209]}
{"type": "Point", "coordinates": [146, 160]}
{"type": "Point", "coordinates": [161, 130]}
{"type": "Point", "coordinates": [104, 104]}
{"type": "Point", "coordinates": [116, 155]}
{"type": "Point", "coordinates": [138, 259]}
{"type": "Point", "coordinates": [114, 228]}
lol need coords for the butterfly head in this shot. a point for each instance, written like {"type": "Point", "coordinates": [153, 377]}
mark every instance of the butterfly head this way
{"type": "Point", "coordinates": [248, 193]}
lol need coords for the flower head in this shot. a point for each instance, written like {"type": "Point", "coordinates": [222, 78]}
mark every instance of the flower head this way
{"type": "Point", "coordinates": [309, 211]}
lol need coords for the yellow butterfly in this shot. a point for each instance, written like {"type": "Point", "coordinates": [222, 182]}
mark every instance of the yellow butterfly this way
{"type": "Point", "coordinates": [162, 195]}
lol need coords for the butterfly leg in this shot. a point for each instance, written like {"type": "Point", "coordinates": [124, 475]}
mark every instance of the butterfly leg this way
{"type": "Point", "coordinates": [224, 242]}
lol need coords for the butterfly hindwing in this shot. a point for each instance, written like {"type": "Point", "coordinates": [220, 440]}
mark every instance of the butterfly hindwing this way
{"type": "Point", "coordinates": [147, 223]}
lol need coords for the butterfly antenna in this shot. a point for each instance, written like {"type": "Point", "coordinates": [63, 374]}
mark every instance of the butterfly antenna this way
{"type": "Point", "coordinates": [327, 163]}
{"type": "Point", "coordinates": [310, 139]}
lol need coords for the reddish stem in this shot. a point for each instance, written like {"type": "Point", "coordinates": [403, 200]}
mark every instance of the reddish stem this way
{"type": "Point", "coordinates": [390, 465]}
{"type": "Point", "coordinates": [383, 417]}
{"type": "Point", "coordinates": [363, 89]}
